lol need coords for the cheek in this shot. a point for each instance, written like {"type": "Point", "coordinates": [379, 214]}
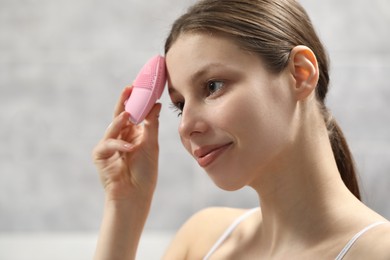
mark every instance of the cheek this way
{"type": "Point", "coordinates": [262, 124]}
{"type": "Point", "coordinates": [242, 111]}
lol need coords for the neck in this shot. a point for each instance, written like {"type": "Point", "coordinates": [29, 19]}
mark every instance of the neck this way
{"type": "Point", "coordinates": [302, 194]}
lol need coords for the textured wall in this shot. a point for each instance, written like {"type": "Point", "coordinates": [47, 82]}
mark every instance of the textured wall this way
{"type": "Point", "coordinates": [64, 62]}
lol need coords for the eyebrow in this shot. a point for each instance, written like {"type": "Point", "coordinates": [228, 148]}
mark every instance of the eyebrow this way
{"type": "Point", "coordinates": [199, 73]}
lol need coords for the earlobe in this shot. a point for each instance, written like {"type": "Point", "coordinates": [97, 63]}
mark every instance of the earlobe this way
{"type": "Point", "coordinates": [304, 68]}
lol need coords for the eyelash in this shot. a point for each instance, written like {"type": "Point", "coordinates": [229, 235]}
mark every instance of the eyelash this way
{"type": "Point", "coordinates": [177, 107]}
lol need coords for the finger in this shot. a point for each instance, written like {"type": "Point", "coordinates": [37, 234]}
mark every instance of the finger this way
{"type": "Point", "coordinates": [120, 122]}
{"type": "Point", "coordinates": [108, 148]}
{"type": "Point", "coordinates": [120, 105]}
{"type": "Point", "coordinates": [151, 123]}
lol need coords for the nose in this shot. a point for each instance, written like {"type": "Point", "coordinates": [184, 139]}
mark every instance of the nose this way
{"type": "Point", "coordinates": [192, 122]}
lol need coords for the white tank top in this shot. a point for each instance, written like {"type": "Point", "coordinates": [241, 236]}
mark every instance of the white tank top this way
{"type": "Point", "coordinates": [248, 213]}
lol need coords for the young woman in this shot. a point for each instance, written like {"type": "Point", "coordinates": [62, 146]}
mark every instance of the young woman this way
{"type": "Point", "coordinates": [249, 79]}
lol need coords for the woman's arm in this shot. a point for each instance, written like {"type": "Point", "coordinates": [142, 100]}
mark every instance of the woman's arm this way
{"type": "Point", "coordinates": [127, 161]}
{"type": "Point", "coordinates": [121, 230]}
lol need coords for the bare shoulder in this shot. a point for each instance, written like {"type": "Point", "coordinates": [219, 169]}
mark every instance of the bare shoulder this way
{"type": "Point", "coordinates": [373, 245]}
{"type": "Point", "coordinates": [379, 244]}
{"type": "Point", "coordinates": [200, 232]}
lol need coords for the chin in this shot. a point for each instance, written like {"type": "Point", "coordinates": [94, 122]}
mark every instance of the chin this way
{"type": "Point", "coordinates": [228, 185]}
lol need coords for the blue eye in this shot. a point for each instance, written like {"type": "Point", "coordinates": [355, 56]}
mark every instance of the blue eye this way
{"type": "Point", "coordinates": [214, 86]}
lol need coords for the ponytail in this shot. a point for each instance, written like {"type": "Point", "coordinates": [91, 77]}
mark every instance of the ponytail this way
{"type": "Point", "coordinates": [343, 156]}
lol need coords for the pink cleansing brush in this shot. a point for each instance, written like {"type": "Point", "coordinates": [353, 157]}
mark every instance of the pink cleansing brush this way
{"type": "Point", "coordinates": [147, 89]}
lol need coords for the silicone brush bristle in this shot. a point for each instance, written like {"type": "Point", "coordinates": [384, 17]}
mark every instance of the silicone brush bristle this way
{"type": "Point", "coordinates": [152, 75]}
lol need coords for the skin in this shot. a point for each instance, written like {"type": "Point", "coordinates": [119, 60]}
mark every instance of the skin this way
{"type": "Point", "coordinates": [233, 114]}
{"type": "Point", "coordinates": [127, 159]}
{"type": "Point", "coordinates": [245, 127]}
{"type": "Point", "coordinates": [280, 147]}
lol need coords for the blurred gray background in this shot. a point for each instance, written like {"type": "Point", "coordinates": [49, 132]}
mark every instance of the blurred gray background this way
{"type": "Point", "coordinates": [63, 64]}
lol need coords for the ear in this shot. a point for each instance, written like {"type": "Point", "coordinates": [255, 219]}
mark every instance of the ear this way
{"type": "Point", "coordinates": [304, 69]}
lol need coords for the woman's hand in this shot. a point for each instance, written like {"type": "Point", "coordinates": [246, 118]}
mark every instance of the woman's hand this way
{"type": "Point", "coordinates": [127, 156]}
{"type": "Point", "coordinates": [127, 161]}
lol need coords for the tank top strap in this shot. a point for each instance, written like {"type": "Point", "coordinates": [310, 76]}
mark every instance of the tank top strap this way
{"type": "Point", "coordinates": [228, 231]}
{"type": "Point", "coordinates": [351, 242]}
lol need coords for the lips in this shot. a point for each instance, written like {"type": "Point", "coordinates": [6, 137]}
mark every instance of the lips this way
{"type": "Point", "coordinates": [207, 154]}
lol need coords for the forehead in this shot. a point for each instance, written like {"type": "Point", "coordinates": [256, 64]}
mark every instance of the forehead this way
{"type": "Point", "coordinates": [198, 46]}
{"type": "Point", "coordinates": [192, 52]}
{"type": "Point", "coordinates": [201, 41]}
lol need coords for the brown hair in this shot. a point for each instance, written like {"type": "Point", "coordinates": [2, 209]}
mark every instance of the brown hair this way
{"type": "Point", "coordinates": [271, 28]}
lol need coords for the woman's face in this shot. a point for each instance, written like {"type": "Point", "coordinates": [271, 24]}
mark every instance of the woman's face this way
{"type": "Point", "coordinates": [236, 117]}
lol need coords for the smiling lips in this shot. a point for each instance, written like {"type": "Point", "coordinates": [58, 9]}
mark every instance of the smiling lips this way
{"type": "Point", "coordinates": [208, 154]}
